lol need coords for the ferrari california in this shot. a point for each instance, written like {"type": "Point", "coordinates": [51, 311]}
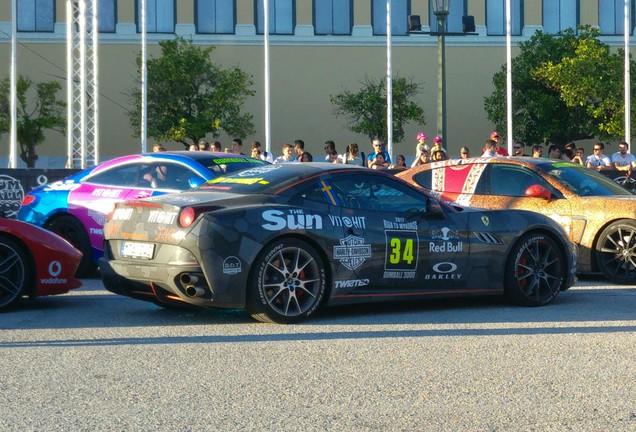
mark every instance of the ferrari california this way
{"type": "Point", "coordinates": [283, 240]}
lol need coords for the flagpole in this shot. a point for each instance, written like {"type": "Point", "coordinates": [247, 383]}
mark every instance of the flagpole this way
{"type": "Point", "coordinates": [389, 84]}
{"type": "Point", "coordinates": [14, 109]}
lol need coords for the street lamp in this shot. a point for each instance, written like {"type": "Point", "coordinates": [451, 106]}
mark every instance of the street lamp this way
{"type": "Point", "coordinates": [441, 9]}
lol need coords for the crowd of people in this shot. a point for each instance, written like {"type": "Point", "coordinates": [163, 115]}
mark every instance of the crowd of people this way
{"type": "Point", "coordinates": [379, 158]}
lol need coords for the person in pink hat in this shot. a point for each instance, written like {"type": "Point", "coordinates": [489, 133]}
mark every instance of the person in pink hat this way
{"type": "Point", "coordinates": [438, 144]}
{"type": "Point", "coordinates": [421, 145]}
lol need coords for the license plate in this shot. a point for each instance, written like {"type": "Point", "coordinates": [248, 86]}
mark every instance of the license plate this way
{"type": "Point", "coordinates": [137, 250]}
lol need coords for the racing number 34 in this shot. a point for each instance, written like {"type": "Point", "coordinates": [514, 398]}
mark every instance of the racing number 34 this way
{"type": "Point", "coordinates": [402, 250]}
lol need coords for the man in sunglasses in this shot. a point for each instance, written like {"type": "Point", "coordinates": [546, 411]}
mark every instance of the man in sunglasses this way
{"type": "Point", "coordinates": [598, 160]}
{"type": "Point", "coordinates": [622, 159]}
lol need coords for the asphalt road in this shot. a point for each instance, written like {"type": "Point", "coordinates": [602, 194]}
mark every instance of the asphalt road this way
{"type": "Point", "coordinates": [93, 361]}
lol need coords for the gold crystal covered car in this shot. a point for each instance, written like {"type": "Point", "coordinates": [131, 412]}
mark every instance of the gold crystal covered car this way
{"type": "Point", "coordinates": [597, 214]}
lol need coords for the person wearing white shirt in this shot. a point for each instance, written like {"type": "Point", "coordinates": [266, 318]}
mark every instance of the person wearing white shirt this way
{"type": "Point", "coordinates": [622, 160]}
{"type": "Point", "coordinates": [598, 160]}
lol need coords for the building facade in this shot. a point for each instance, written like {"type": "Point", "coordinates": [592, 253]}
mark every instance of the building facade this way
{"type": "Point", "coordinates": [317, 49]}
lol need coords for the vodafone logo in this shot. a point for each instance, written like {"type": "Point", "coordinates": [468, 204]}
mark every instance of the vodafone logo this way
{"type": "Point", "coordinates": [55, 268]}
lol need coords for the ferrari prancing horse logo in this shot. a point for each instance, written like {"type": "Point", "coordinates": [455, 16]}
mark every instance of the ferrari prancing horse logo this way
{"type": "Point", "coordinates": [485, 220]}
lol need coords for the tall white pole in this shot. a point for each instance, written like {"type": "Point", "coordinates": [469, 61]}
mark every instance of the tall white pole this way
{"type": "Point", "coordinates": [144, 80]}
{"type": "Point", "coordinates": [70, 22]}
{"type": "Point", "coordinates": [509, 78]}
{"type": "Point", "coordinates": [268, 134]}
{"type": "Point", "coordinates": [95, 81]}
{"type": "Point", "coordinates": [13, 144]}
{"type": "Point", "coordinates": [627, 75]}
{"type": "Point", "coordinates": [389, 84]}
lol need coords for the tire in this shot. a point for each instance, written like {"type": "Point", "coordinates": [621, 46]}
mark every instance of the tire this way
{"type": "Point", "coordinates": [287, 284]}
{"type": "Point", "coordinates": [616, 252]}
{"type": "Point", "coordinates": [15, 273]}
{"type": "Point", "coordinates": [534, 270]}
{"type": "Point", "coordinates": [72, 230]}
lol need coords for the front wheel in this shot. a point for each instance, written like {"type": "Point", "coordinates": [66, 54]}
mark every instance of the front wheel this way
{"type": "Point", "coordinates": [15, 274]}
{"type": "Point", "coordinates": [616, 252]}
{"type": "Point", "coordinates": [534, 270]}
{"type": "Point", "coordinates": [288, 283]}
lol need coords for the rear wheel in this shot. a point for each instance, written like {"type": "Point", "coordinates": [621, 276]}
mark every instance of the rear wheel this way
{"type": "Point", "coordinates": [15, 274]}
{"type": "Point", "coordinates": [616, 252]}
{"type": "Point", "coordinates": [534, 270]}
{"type": "Point", "coordinates": [288, 283]}
{"type": "Point", "coordinates": [72, 230]}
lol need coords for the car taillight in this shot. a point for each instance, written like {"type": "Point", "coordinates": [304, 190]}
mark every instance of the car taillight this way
{"type": "Point", "coordinates": [186, 217]}
{"type": "Point", "coordinates": [28, 200]}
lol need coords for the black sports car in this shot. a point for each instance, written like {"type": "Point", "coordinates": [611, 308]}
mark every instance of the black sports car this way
{"type": "Point", "coordinates": [283, 240]}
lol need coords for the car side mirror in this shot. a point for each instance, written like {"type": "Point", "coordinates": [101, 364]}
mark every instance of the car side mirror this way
{"type": "Point", "coordinates": [538, 191]}
{"type": "Point", "coordinates": [434, 209]}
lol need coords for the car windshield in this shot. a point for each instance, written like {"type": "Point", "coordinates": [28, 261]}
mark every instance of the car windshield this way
{"type": "Point", "coordinates": [253, 180]}
{"type": "Point", "coordinates": [229, 164]}
{"type": "Point", "coordinates": [583, 181]}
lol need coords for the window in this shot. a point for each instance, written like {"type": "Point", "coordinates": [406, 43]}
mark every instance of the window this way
{"type": "Point", "coordinates": [454, 19]}
{"type": "Point", "coordinates": [611, 17]}
{"type": "Point", "coordinates": [215, 16]}
{"type": "Point", "coordinates": [282, 17]}
{"type": "Point", "coordinates": [559, 15]}
{"type": "Point", "coordinates": [511, 180]}
{"type": "Point", "coordinates": [496, 17]}
{"type": "Point", "coordinates": [106, 16]}
{"type": "Point", "coordinates": [365, 192]}
{"type": "Point", "coordinates": [333, 17]}
{"type": "Point", "coordinates": [36, 15]}
{"type": "Point", "coordinates": [400, 11]}
{"type": "Point", "coordinates": [160, 16]}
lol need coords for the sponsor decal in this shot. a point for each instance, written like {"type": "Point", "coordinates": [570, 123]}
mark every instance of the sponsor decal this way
{"type": "Point", "coordinates": [166, 234]}
{"type": "Point", "coordinates": [62, 185]}
{"type": "Point", "coordinates": [348, 221]}
{"type": "Point", "coordinates": [54, 281]}
{"type": "Point", "coordinates": [443, 271]}
{"type": "Point", "coordinates": [55, 268]}
{"type": "Point", "coordinates": [97, 231]}
{"type": "Point", "coordinates": [98, 217]}
{"type": "Point", "coordinates": [400, 224]}
{"type": "Point", "coordinates": [162, 217]}
{"type": "Point", "coordinates": [231, 160]}
{"type": "Point", "coordinates": [107, 193]}
{"type": "Point", "coordinates": [256, 171]}
{"type": "Point", "coordinates": [245, 181]}
{"type": "Point", "coordinates": [231, 265]}
{"type": "Point", "coordinates": [330, 196]}
{"type": "Point", "coordinates": [402, 250]}
{"type": "Point", "coordinates": [11, 196]}
{"type": "Point", "coordinates": [390, 274]}
{"type": "Point", "coordinates": [485, 220]}
{"type": "Point", "coordinates": [122, 214]}
{"type": "Point", "coordinates": [292, 219]}
{"type": "Point", "coordinates": [446, 235]}
{"type": "Point", "coordinates": [354, 283]}
{"type": "Point", "coordinates": [352, 252]}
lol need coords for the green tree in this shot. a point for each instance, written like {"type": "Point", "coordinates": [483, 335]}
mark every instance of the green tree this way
{"type": "Point", "coordinates": [32, 120]}
{"type": "Point", "coordinates": [189, 97]}
{"type": "Point", "coordinates": [592, 79]}
{"type": "Point", "coordinates": [539, 113]}
{"type": "Point", "coordinates": [366, 109]}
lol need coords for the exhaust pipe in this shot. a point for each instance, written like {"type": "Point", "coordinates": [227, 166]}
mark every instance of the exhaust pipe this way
{"type": "Point", "coordinates": [189, 281]}
{"type": "Point", "coordinates": [194, 291]}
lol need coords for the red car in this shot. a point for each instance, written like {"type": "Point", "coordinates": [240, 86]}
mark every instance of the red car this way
{"type": "Point", "coordinates": [34, 262]}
